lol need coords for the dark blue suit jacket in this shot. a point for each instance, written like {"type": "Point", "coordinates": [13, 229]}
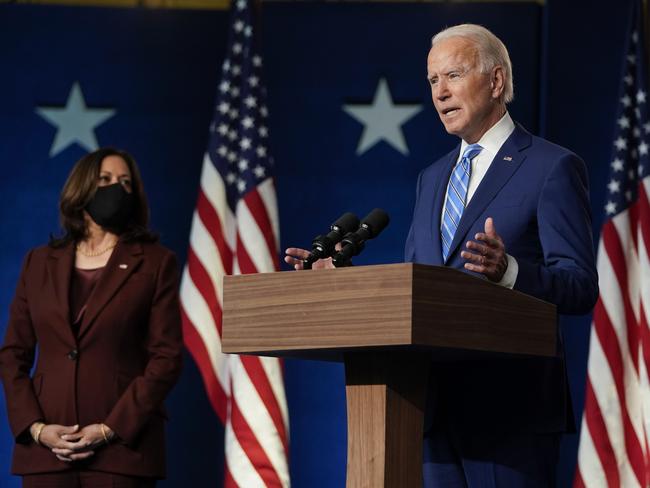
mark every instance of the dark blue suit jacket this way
{"type": "Point", "coordinates": [537, 194]}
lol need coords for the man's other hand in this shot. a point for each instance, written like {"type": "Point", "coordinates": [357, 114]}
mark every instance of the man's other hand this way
{"type": "Point", "coordinates": [486, 254]}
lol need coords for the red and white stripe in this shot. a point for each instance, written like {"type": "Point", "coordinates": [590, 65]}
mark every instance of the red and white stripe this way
{"type": "Point", "coordinates": [616, 422]}
{"type": "Point", "coordinates": [246, 392]}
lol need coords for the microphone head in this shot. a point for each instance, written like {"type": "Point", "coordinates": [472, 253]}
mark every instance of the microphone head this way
{"type": "Point", "coordinates": [348, 222]}
{"type": "Point", "coordinates": [375, 222]}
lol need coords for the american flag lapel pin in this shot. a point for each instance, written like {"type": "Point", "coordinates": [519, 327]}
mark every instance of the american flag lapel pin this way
{"type": "Point", "coordinates": [507, 158]}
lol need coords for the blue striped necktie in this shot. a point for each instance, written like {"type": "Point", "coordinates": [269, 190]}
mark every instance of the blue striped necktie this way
{"type": "Point", "coordinates": [456, 198]}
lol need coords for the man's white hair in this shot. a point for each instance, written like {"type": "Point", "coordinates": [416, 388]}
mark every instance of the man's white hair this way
{"type": "Point", "coordinates": [491, 51]}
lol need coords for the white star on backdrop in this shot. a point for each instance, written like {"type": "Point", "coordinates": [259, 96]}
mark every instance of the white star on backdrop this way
{"type": "Point", "coordinates": [75, 123]}
{"type": "Point", "coordinates": [382, 120]}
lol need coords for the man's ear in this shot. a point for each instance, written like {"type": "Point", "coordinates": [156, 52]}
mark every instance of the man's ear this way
{"type": "Point", "coordinates": [497, 82]}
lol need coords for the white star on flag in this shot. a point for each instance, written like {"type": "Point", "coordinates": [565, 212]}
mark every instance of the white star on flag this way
{"type": "Point", "coordinates": [614, 186]}
{"type": "Point", "coordinates": [617, 164]}
{"type": "Point", "coordinates": [245, 143]}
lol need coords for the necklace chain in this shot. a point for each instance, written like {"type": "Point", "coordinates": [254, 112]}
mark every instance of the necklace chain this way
{"type": "Point", "coordinates": [93, 254]}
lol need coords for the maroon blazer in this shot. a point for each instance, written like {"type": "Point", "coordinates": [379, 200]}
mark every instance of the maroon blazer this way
{"type": "Point", "coordinates": [117, 370]}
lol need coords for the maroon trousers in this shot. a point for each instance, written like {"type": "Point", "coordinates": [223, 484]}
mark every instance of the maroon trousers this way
{"type": "Point", "coordinates": [85, 479]}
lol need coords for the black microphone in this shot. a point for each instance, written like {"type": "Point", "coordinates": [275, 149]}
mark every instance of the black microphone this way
{"type": "Point", "coordinates": [323, 246]}
{"type": "Point", "coordinates": [354, 242]}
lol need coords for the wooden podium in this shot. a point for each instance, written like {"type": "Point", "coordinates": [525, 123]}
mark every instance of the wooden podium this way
{"type": "Point", "coordinates": [387, 323]}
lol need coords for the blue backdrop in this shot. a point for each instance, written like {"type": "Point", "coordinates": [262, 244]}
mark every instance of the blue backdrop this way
{"type": "Point", "coordinates": [156, 71]}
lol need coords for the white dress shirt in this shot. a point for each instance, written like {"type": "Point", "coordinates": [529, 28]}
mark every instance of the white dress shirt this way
{"type": "Point", "coordinates": [491, 142]}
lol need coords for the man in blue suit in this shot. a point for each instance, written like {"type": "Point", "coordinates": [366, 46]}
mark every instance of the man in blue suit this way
{"type": "Point", "coordinates": [514, 209]}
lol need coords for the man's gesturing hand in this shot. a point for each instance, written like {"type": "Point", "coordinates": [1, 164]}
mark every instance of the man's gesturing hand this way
{"type": "Point", "coordinates": [295, 256]}
{"type": "Point", "coordinates": [486, 254]}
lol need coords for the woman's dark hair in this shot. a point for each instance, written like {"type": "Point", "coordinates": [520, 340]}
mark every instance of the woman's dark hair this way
{"type": "Point", "coordinates": [80, 188]}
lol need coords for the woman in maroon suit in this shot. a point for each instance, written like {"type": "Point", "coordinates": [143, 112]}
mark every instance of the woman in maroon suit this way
{"type": "Point", "coordinates": [101, 306]}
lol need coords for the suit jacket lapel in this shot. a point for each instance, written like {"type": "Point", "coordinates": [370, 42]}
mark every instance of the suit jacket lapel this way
{"type": "Point", "coordinates": [438, 200]}
{"type": "Point", "coordinates": [504, 165]}
{"type": "Point", "coordinates": [123, 262]}
{"type": "Point", "coordinates": [59, 266]}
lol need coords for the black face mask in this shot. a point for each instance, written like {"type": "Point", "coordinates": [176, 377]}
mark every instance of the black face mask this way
{"type": "Point", "coordinates": [111, 207]}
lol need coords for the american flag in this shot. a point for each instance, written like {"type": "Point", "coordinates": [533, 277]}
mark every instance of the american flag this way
{"type": "Point", "coordinates": [235, 231]}
{"type": "Point", "coordinates": [614, 450]}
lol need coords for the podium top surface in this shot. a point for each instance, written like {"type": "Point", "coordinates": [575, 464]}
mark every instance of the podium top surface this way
{"type": "Point", "coordinates": [316, 314]}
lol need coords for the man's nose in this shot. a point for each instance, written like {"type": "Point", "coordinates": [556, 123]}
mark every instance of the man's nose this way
{"type": "Point", "coordinates": [441, 90]}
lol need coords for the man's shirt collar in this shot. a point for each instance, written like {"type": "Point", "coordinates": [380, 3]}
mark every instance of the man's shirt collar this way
{"type": "Point", "coordinates": [494, 138]}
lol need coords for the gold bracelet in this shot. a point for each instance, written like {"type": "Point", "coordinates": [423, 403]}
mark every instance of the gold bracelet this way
{"type": "Point", "coordinates": [103, 427]}
{"type": "Point", "coordinates": [37, 434]}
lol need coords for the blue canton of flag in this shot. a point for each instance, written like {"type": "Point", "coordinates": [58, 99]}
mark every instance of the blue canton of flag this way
{"type": "Point", "coordinates": [239, 133]}
{"type": "Point", "coordinates": [630, 161]}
